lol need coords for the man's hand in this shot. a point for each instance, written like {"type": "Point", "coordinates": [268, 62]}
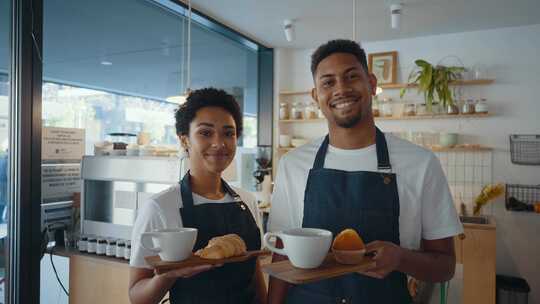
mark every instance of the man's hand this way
{"type": "Point", "coordinates": [387, 258]}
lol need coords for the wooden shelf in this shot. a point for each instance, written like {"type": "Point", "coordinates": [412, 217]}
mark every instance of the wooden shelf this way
{"type": "Point", "coordinates": [440, 116]}
{"type": "Point", "coordinates": [414, 117]}
{"type": "Point", "coordinates": [458, 82]}
{"type": "Point", "coordinates": [460, 148]}
{"type": "Point", "coordinates": [294, 92]}
{"type": "Point", "coordinates": [302, 120]}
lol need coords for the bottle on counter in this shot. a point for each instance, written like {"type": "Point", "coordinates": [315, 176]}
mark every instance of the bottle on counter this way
{"type": "Point", "coordinates": [83, 241]}
{"type": "Point", "coordinates": [120, 246]}
{"type": "Point", "coordinates": [110, 250]}
{"type": "Point", "coordinates": [91, 244]}
{"type": "Point", "coordinates": [101, 246]}
{"type": "Point", "coordinates": [127, 250]}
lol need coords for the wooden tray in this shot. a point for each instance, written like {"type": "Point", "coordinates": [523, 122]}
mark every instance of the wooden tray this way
{"type": "Point", "coordinates": [163, 266]}
{"type": "Point", "coordinates": [284, 270]}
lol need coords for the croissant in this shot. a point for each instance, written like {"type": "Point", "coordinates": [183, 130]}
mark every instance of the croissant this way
{"type": "Point", "coordinates": [222, 247]}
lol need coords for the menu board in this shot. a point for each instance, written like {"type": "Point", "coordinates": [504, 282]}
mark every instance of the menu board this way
{"type": "Point", "coordinates": [60, 181]}
{"type": "Point", "coordinates": [61, 152]}
{"type": "Point", "coordinates": [62, 145]}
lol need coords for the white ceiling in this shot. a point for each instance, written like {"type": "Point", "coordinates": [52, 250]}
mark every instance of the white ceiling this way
{"type": "Point", "coordinates": [321, 20]}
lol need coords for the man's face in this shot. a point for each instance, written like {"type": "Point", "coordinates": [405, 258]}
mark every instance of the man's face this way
{"type": "Point", "coordinates": [343, 90]}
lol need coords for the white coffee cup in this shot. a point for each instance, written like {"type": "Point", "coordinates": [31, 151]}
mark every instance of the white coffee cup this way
{"type": "Point", "coordinates": [305, 247]}
{"type": "Point", "coordinates": [172, 245]}
{"type": "Point", "coordinates": [284, 140]}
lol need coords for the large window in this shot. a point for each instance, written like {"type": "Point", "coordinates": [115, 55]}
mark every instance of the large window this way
{"type": "Point", "coordinates": [117, 74]}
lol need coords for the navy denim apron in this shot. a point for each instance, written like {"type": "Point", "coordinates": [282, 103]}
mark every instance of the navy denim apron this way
{"type": "Point", "coordinates": [365, 201]}
{"type": "Point", "coordinates": [230, 283]}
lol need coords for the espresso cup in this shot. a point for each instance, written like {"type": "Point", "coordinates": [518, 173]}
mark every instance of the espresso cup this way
{"type": "Point", "coordinates": [172, 245]}
{"type": "Point", "coordinates": [305, 247]}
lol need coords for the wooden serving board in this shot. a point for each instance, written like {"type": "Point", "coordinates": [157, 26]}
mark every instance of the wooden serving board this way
{"type": "Point", "coordinates": [284, 270]}
{"type": "Point", "coordinates": [163, 266]}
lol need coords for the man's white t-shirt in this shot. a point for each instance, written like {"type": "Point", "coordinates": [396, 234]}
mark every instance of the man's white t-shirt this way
{"type": "Point", "coordinates": [426, 207]}
{"type": "Point", "coordinates": [162, 211]}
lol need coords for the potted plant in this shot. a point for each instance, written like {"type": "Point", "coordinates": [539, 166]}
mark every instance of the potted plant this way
{"type": "Point", "coordinates": [433, 80]}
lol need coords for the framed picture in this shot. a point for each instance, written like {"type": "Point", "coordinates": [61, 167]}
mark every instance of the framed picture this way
{"type": "Point", "coordinates": [384, 67]}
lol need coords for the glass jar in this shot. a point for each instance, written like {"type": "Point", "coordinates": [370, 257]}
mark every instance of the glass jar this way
{"type": "Point", "coordinates": [101, 246]}
{"type": "Point", "coordinates": [375, 108]}
{"type": "Point", "coordinates": [283, 111]}
{"type": "Point", "coordinates": [409, 109]}
{"type": "Point", "coordinates": [468, 107]}
{"type": "Point", "coordinates": [83, 241]}
{"type": "Point", "coordinates": [421, 109]}
{"type": "Point", "coordinates": [120, 246]}
{"type": "Point", "coordinates": [111, 248]}
{"type": "Point", "coordinates": [296, 111]}
{"type": "Point", "coordinates": [481, 106]}
{"type": "Point", "coordinates": [91, 245]}
{"type": "Point", "coordinates": [435, 108]}
{"type": "Point", "coordinates": [127, 250]}
{"type": "Point", "coordinates": [452, 109]}
{"type": "Point", "coordinates": [387, 108]}
{"type": "Point", "coordinates": [310, 111]}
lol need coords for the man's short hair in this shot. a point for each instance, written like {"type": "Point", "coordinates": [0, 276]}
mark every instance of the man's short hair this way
{"type": "Point", "coordinates": [338, 46]}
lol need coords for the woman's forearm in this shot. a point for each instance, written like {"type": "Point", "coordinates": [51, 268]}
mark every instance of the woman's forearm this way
{"type": "Point", "coordinates": [260, 285]}
{"type": "Point", "coordinates": [150, 290]}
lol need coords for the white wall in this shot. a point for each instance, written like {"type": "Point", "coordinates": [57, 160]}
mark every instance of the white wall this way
{"type": "Point", "coordinates": [511, 56]}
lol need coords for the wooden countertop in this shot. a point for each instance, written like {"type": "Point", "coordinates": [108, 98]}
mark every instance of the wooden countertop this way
{"type": "Point", "coordinates": [62, 251]}
{"type": "Point", "coordinates": [491, 225]}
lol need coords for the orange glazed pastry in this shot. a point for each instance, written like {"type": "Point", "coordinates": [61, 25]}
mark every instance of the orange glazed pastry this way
{"type": "Point", "coordinates": [348, 239]}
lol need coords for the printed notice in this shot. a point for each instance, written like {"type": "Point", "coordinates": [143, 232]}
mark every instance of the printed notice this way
{"type": "Point", "coordinates": [60, 181]}
{"type": "Point", "coordinates": [62, 144]}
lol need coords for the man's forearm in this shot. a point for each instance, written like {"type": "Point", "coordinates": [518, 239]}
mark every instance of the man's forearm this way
{"type": "Point", "coordinates": [427, 266]}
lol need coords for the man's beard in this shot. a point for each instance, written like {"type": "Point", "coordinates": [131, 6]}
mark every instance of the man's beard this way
{"type": "Point", "coordinates": [350, 122]}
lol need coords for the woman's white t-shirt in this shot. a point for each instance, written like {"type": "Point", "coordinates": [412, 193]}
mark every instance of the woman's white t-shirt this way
{"type": "Point", "coordinates": [426, 206]}
{"type": "Point", "coordinates": [162, 211]}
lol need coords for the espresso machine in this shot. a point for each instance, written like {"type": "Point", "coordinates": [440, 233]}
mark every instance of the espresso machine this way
{"type": "Point", "coordinates": [263, 159]}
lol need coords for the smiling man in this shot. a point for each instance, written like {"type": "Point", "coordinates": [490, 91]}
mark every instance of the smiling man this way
{"type": "Point", "coordinates": [392, 192]}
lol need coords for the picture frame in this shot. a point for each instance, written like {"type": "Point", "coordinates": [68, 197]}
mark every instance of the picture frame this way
{"type": "Point", "coordinates": [384, 67]}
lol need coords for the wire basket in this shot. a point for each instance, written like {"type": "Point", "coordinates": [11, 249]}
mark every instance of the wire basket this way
{"type": "Point", "coordinates": [525, 149]}
{"type": "Point", "coordinates": [522, 197]}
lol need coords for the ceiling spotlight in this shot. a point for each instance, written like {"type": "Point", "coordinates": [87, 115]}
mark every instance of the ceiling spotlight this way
{"type": "Point", "coordinates": [289, 30]}
{"type": "Point", "coordinates": [395, 10]}
{"type": "Point", "coordinates": [105, 62]}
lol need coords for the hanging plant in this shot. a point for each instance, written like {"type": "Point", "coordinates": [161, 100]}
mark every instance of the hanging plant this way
{"type": "Point", "coordinates": [432, 80]}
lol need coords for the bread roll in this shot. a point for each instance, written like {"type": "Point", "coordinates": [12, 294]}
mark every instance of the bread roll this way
{"type": "Point", "coordinates": [222, 247]}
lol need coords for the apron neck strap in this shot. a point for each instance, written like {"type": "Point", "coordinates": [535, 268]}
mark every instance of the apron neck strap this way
{"type": "Point", "coordinates": [187, 194]}
{"type": "Point", "coordinates": [383, 159]}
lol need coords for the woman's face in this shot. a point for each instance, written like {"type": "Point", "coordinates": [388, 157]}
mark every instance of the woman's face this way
{"type": "Point", "coordinates": [211, 143]}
